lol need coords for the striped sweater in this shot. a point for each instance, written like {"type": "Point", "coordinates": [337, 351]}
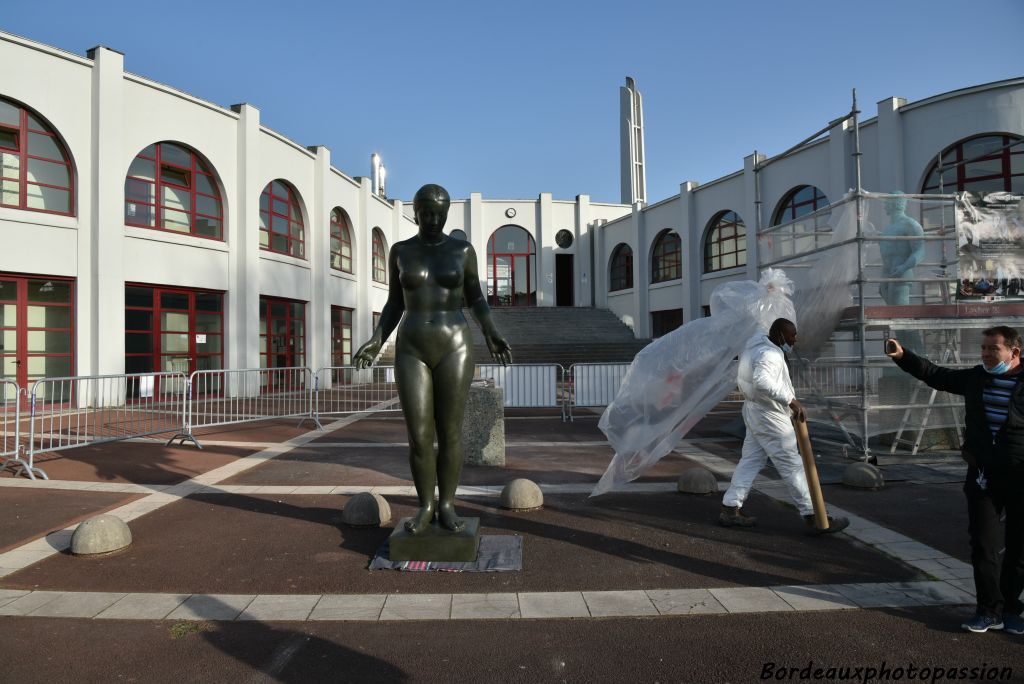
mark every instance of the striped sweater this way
{"type": "Point", "coordinates": [996, 398]}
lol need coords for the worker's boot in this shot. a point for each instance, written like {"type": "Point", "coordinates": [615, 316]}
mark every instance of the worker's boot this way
{"type": "Point", "coordinates": [834, 525]}
{"type": "Point", "coordinates": [732, 516]}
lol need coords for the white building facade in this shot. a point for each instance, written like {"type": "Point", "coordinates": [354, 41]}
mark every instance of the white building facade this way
{"type": "Point", "coordinates": [144, 229]}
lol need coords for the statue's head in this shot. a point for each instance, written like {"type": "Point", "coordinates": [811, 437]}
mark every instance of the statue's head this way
{"type": "Point", "coordinates": [430, 205]}
{"type": "Point", "coordinates": [896, 203]}
{"type": "Point", "coordinates": [431, 194]}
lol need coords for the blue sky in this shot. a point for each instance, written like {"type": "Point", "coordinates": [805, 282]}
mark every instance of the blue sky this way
{"type": "Point", "coordinates": [517, 98]}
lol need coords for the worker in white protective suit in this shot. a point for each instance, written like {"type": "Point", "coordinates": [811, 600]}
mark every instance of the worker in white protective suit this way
{"type": "Point", "coordinates": [769, 404]}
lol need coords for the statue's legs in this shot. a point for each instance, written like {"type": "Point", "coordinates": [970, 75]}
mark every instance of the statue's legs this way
{"type": "Point", "coordinates": [452, 377]}
{"type": "Point", "coordinates": [416, 392]}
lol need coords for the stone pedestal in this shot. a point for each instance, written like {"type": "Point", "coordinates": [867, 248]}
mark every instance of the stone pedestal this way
{"type": "Point", "coordinates": [483, 428]}
{"type": "Point", "coordinates": [435, 543]}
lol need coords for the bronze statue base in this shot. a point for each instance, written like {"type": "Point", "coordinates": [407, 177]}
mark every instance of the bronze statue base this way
{"type": "Point", "coordinates": [435, 543]}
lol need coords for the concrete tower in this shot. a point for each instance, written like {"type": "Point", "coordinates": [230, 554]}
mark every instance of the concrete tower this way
{"type": "Point", "coordinates": [631, 140]}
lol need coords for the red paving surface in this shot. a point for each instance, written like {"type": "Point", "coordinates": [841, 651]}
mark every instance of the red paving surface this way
{"type": "Point", "coordinates": [709, 648]}
{"type": "Point", "coordinates": [385, 466]}
{"type": "Point", "coordinates": [32, 513]}
{"type": "Point", "coordinates": [297, 544]}
{"type": "Point", "coordinates": [134, 462]}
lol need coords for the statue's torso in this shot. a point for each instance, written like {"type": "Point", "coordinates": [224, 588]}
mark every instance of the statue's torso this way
{"type": "Point", "coordinates": [432, 280]}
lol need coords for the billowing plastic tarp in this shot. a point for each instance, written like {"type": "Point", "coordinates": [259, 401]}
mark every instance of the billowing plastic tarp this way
{"type": "Point", "coordinates": [674, 381]}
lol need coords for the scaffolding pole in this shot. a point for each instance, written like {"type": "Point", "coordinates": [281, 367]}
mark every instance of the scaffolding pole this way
{"type": "Point", "coordinates": [862, 313]}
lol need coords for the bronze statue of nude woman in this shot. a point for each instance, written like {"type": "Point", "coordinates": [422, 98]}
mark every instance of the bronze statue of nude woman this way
{"type": "Point", "coordinates": [431, 275]}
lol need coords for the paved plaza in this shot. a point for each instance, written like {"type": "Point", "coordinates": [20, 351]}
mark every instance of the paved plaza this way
{"type": "Point", "coordinates": [241, 567]}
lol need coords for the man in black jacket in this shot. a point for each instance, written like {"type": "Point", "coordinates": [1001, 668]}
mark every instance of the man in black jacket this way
{"type": "Point", "coordinates": [994, 450]}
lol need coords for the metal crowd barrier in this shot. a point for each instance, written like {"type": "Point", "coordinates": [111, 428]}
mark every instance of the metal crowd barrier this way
{"type": "Point", "coordinates": [526, 385]}
{"type": "Point", "coordinates": [74, 412]}
{"type": "Point", "coordinates": [594, 384]}
{"type": "Point", "coordinates": [229, 397]}
{"type": "Point", "coordinates": [10, 432]}
{"type": "Point", "coordinates": [344, 390]}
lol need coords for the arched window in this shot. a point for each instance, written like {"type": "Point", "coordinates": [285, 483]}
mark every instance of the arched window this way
{"type": "Point", "coordinates": [620, 273]}
{"type": "Point", "coordinates": [35, 170]}
{"type": "Point", "coordinates": [511, 267]}
{"type": "Point", "coordinates": [666, 259]}
{"type": "Point", "coordinates": [800, 201]}
{"type": "Point", "coordinates": [804, 215]}
{"type": "Point", "coordinates": [281, 228]}
{"type": "Point", "coordinates": [725, 242]}
{"type": "Point", "coordinates": [380, 257]}
{"type": "Point", "coordinates": [459, 235]}
{"type": "Point", "coordinates": [341, 241]}
{"type": "Point", "coordinates": [170, 187]}
{"type": "Point", "coordinates": [983, 163]}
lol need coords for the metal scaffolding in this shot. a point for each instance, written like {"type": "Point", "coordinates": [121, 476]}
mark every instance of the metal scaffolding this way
{"type": "Point", "coordinates": [848, 302]}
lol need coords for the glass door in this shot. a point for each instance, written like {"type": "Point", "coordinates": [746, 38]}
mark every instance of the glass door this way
{"type": "Point", "coordinates": [174, 330]}
{"type": "Point", "coordinates": [36, 330]}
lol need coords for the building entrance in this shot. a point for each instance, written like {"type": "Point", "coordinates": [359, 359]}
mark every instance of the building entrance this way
{"type": "Point", "coordinates": [511, 268]}
{"type": "Point", "coordinates": [563, 280]}
{"type": "Point", "coordinates": [174, 330]}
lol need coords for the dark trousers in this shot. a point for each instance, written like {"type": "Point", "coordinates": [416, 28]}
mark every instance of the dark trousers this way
{"type": "Point", "coordinates": [998, 577]}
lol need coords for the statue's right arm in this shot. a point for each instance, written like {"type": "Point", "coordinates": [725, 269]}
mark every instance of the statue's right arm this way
{"type": "Point", "coordinates": [389, 317]}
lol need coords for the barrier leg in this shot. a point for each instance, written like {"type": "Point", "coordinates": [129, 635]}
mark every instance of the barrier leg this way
{"type": "Point", "coordinates": [27, 467]}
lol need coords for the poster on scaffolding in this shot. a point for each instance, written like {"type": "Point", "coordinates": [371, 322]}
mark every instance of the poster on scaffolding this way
{"type": "Point", "coordinates": [990, 239]}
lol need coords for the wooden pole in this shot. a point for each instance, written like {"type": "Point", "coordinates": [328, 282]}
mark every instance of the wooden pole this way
{"type": "Point", "coordinates": [803, 439]}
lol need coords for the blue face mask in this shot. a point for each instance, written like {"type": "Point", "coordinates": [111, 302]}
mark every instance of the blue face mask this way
{"type": "Point", "coordinates": [787, 347]}
{"type": "Point", "coordinates": [999, 368]}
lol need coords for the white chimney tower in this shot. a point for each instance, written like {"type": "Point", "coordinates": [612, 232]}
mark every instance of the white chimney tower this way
{"type": "Point", "coordinates": [631, 140]}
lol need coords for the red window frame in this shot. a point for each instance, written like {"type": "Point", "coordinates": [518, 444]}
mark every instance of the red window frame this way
{"type": "Point", "coordinates": [955, 171]}
{"type": "Point", "coordinates": [796, 204]}
{"type": "Point", "coordinates": [380, 258]}
{"type": "Point", "coordinates": [341, 241]}
{"type": "Point", "coordinates": [666, 257]}
{"type": "Point", "coordinates": [620, 270]}
{"type": "Point", "coordinates": [341, 335]}
{"type": "Point", "coordinates": [29, 123]}
{"type": "Point", "coordinates": [156, 308]}
{"type": "Point", "coordinates": [725, 227]}
{"type": "Point", "coordinates": [271, 200]}
{"type": "Point", "coordinates": [21, 328]}
{"type": "Point", "coordinates": [162, 168]}
{"type": "Point", "coordinates": [294, 351]}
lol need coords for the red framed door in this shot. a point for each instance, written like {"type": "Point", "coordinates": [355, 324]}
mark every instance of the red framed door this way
{"type": "Point", "coordinates": [37, 326]}
{"type": "Point", "coordinates": [510, 259]}
{"type": "Point", "coordinates": [174, 329]}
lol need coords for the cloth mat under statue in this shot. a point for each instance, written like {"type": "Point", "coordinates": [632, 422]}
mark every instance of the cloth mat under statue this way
{"type": "Point", "coordinates": [497, 553]}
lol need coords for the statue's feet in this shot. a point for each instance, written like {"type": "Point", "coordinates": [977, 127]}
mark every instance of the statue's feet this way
{"type": "Point", "coordinates": [450, 521]}
{"type": "Point", "coordinates": [421, 521]}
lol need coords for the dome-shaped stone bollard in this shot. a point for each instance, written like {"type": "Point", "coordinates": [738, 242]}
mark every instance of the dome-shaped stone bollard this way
{"type": "Point", "coordinates": [522, 495]}
{"type": "Point", "coordinates": [697, 481]}
{"type": "Point", "coordinates": [863, 476]}
{"type": "Point", "coordinates": [366, 509]}
{"type": "Point", "coordinates": [101, 534]}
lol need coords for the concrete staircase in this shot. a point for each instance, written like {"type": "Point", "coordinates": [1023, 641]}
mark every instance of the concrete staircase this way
{"type": "Point", "coordinates": [563, 335]}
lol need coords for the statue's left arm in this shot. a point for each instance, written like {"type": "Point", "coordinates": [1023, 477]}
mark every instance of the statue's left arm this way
{"type": "Point", "coordinates": [499, 347]}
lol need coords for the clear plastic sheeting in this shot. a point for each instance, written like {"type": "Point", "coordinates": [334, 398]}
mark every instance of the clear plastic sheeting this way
{"type": "Point", "coordinates": [674, 381]}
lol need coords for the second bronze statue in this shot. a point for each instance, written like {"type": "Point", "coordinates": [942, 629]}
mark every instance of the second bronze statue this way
{"type": "Point", "coordinates": [430, 276]}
